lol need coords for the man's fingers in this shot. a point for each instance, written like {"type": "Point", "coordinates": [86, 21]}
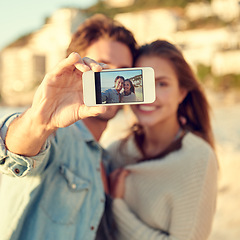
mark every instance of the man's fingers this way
{"type": "Point", "coordinates": [82, 64]}
{"type": "Point", "coordinates": [97, 110]}
{"type": "Point", "coordinates": [72, 61]}
{"type": "Point", "coordinates": [123, 174]}
{"type": "Point", "coordinates": [117, 182]}
{"type": "Point", "coordinates": [118, 174]}
{"type": "Point", "coordinates": [85, 111]}
{"type": "Point", "coordinates": [79, 64]}
{"type": "Point", "coordinates": [104, 66]}
{"type": "Point", "coordinates": [96, 67]}
{"type": "Point", "coordinates": [114, 174]}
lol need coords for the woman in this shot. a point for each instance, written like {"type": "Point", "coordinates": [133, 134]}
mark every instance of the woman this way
{"type": "Point", "coordinates": [128, 94]}
{"type": "Point", "coordinates": [165, 182]}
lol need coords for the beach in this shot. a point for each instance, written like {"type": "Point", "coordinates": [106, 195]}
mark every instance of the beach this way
{"type": "Point", "coordinates": [226, 125]}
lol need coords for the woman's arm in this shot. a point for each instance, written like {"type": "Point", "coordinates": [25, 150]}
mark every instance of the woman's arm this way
{"type": "Point", "coordinates": [191, 217]}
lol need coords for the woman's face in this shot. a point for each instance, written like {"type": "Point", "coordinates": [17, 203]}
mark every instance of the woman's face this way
{"type": "Point", "coordinates": [126, 86]}
{"type": "Point", "coordinates": [168, 93]}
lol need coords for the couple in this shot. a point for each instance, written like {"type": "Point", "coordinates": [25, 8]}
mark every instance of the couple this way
{"type": "Point", "coordinates": [162, 178]}
{"type": "Point", "coordinates": [123, 91]}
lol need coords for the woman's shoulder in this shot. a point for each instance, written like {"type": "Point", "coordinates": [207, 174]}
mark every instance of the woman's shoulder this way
{"type": "Point", "coordinates": [125, 146]}
{"type": "Point", "coordinates": [194, 142]}
{"type": "Point", "coordinates": [114, 147]}
{"type": "Point", "coordinates": [124, 151]}
{"type": "Point", "coordinates": [132, 97]}
{"type": "Point", "coordinates": [195, 148]}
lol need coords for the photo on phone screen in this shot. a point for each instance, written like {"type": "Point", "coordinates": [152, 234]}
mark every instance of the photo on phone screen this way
{"type": "Point", "coordinates": [119, 86]}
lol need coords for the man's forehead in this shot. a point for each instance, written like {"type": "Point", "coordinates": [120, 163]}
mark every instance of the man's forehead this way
{"type": "Point", "coordinates": [119, 79]}
{"type": "Point", "coordinates": [113, 53]}
{"type": "Point", "coordinates": [108, 62]}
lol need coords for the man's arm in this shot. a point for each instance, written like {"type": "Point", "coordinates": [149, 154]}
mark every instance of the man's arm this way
{"type": "Point", "coordinates": [25, 136]}
{"type": "Point", "coordinates": [57, 103]}
{"type": "Point", "coordinates": [105, 95]}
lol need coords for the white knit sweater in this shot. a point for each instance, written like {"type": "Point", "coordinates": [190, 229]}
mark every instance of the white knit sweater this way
{"type": "Point", "coordinates": [170, 198]}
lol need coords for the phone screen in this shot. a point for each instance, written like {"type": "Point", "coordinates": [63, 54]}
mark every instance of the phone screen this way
{"type": "Point", "coordinates": [119, 86]}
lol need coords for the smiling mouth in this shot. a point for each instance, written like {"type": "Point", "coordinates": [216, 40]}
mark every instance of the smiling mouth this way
{"type": "Point", "coordinates": [147, 108]}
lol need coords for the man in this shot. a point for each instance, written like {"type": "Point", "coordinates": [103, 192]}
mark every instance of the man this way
{"type": "Point", "coordinates": [112, 95]}
{"type": "Point", "coordinates": [54, 190]}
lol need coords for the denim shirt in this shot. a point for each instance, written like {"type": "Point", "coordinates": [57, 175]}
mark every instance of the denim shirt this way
{"type": "Point", "coordinates": [110, 96]}
{"type": "Point", "coordinates": [57, 194]}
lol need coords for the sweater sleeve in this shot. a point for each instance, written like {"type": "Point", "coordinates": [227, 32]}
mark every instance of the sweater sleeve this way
{"type": "Point", "coordinates": [204, 206]}
{"type": "Point", "coordinates": [123, 155]}
{"type": "Point", "coordinates": [131, 227]}
{"type": "Point", "coordinates": [191, 219]}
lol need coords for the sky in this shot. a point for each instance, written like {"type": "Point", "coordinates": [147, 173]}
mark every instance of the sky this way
{"type": "Point", "coordinates": [20, 17]}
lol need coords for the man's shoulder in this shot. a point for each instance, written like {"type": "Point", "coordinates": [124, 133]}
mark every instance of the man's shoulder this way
{"type": "Point", "coordinates": [111, 90]}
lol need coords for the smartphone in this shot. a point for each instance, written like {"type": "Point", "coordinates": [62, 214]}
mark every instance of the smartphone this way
{"type": "Point", "coordinates": [119, 86]}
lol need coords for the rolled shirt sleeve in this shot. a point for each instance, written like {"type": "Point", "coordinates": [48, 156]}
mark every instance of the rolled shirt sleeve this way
{"type": "Point", "coordinates": [14, 164]}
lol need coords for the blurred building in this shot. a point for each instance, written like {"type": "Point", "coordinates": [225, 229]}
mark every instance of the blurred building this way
{"type": "Point", "coordinates": [227, 10]}
{"type": "Point", "coordinates": [119, 3]}
{"type": "Point", "coordinates": [200, 46]}
{"type": "Point", "coordinates": [25, 62]}
{"type": "Point", "coordinates": [198, 10]}
{"type": "Point", "coordinates": [227, 62]}
{"type": "Point", "coordinates": [152, 24]}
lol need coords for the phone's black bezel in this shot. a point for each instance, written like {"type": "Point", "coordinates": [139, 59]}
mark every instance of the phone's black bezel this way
{"type": "Point", "coordinates": [98, 88]}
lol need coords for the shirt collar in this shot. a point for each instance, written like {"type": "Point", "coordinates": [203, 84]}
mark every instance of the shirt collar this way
{"type": "Point", "coordinates": [85, 134]}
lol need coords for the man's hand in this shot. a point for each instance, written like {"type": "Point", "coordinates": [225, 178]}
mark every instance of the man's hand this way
{"type": "Point", "coordinates": [58, 101]}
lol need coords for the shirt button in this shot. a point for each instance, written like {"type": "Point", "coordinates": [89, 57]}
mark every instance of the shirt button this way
{"type": "Point", "coordinates": [2, 161]}
{"type": "Point", "coordinates": [74, 186]}
{"type": "Point", "coordinates": [16, 170]}
{"type": "Point", "coordinates": [92, 228]}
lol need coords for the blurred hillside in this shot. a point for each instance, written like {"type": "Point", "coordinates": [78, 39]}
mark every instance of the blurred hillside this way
{"type": "Point", "coordinates": [208, 33]}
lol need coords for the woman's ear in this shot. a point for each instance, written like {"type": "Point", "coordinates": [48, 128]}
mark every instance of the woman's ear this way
{"type": "Point", "coordinates": [182, 94]}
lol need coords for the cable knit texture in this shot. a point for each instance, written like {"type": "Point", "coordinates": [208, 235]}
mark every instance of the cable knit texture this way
{"type": "Point", "coordinates": [172, 198]}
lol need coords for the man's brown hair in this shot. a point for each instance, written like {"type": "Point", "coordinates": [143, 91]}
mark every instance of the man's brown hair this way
{"type": "Point", "coordinates": [99, 26]}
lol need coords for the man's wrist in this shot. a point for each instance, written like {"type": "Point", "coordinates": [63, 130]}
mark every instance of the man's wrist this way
{"type": "Point", "coordinates": [37, 123]}
{"type": "Point", "coordinates": [26, 135]}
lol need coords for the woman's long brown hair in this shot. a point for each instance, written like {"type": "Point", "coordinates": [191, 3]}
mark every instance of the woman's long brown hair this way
{"type": "Point", "coordinates": [194, 108]}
